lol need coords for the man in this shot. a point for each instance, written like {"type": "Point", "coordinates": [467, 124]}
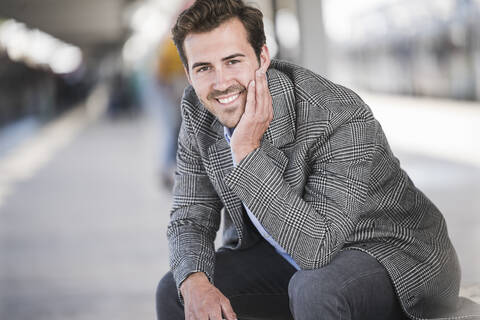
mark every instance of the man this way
{"type": "Point", "coordinates": [319, 222]}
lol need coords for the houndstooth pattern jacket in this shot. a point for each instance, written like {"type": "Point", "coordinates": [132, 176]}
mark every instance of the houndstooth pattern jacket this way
{"type": "Point", "coordinates": [323, 180]}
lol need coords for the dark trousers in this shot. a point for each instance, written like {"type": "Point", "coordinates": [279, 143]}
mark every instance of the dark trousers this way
{"type": "Point", "coordinates": [262, 285]}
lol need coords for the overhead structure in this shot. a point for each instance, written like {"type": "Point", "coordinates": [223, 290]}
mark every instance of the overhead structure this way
{"type": "Point", "coordinates": [87, 24]}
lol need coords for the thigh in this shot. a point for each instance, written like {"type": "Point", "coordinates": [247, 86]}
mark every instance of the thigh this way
{"type": "Point", "coordinates": [168, 305]}
{"type": "Point", "coordinates": [255, 280]}
{"type": "Point", "coordinates": [354, 285]}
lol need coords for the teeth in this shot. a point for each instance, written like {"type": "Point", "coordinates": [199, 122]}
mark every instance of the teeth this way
{"type": "Point", "coordinates": [229, 99]}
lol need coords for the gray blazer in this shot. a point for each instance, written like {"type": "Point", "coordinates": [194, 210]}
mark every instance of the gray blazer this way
{"type": "Point", "coordinates": [323, 180]}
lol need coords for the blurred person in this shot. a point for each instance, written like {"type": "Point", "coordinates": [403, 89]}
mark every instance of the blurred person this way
{"type": "Point", "coordinates": [172, 81]}
{"type": "Point", "coordinates": [320, 221]}
{"type": "Point", "coordinates": [122, 100]}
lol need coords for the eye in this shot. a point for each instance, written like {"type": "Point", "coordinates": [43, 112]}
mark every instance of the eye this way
{"type": "Point", "coordinates": [234, 61]}
{"type": "Point", "coordinates": [203, 69]}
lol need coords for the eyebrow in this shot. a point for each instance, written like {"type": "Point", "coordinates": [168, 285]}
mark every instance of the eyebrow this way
{"type": "Point", "coordinates": [201, 64]}
{"type": "Point", "coordinates": [235, 55]}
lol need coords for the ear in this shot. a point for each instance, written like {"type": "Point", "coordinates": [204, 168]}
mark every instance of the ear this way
{"type": "Point", "coordinates": [187, 74]}
{"type": "Point", "coordinates": [264, 58]}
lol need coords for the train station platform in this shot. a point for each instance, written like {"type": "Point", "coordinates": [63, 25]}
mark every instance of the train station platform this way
{"type": "Point", "coordinates": [83, 217]}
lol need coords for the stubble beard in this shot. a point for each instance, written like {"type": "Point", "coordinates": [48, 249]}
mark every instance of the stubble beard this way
{"type": "Point", "coordinates": [227, 118]}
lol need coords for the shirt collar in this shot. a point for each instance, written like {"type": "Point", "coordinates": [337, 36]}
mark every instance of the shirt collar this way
{"type": "Point", "coordinates": [227, 133]}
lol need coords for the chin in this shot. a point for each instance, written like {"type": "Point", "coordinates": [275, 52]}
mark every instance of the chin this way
{"type": "Point", "coordinates": [229, 123]}
{"type": "Point", "coordinates": [231, 120]}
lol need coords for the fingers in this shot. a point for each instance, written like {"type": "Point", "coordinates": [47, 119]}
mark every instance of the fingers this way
{"type": "Point", "coordinates": [260, 88]}
{"type": "Point", "coordinates": [227, 310]}
{"type": "Point", "coordinates": [211, 309]}
{"type": "Point", "coordinates": [259, 101]}
{"type": "Point", "coordinates": [215, 314]}
{"type": "Point", "coordinates": [264, 107]}
{"type": "Point", "coordinates": [250, 105]}
{"type": "Point", "coordinates": [255, 120]}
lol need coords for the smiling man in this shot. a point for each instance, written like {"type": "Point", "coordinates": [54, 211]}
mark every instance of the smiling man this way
{"type": "Point", "coordinates": [224, 81]}
{"type": "Point", "coordinates": [319, 220]}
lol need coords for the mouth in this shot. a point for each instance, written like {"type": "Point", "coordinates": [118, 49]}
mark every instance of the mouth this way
{"type": "Point", "coordinates": [228, 96]}
{"type": "Point", "coordinates": [228, 99]}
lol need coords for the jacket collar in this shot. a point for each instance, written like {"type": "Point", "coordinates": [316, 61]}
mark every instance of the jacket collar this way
{"type": "Point", "coordinates": [282, 128]}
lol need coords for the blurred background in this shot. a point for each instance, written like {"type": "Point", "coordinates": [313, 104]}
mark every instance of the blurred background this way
{"type": "Point", "coordinates": [89, 115]}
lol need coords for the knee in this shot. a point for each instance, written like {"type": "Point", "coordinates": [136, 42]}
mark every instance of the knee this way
{"type": "Point", "coordinates": [164, 287]}
{"type": "Point", "coordinates": [312, 292]}
{"type": "Point", "coordinates": [167, 302]}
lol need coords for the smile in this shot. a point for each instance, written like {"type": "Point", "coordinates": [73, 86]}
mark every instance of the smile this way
{"type": "Point", "coordinates": [228, 99]}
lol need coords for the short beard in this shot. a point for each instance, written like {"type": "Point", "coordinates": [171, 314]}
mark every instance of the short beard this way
{"type": "Point", "coordinates": [235, 88]}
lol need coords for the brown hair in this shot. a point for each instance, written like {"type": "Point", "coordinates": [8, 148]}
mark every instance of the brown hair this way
{"type": "Point", "coordinates": [206, 15]}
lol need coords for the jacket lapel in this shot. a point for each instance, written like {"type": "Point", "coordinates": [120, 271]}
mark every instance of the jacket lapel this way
{"type": "Point", "coordinates": [281, 131]}
{"type": "Point", "coordinates": [282, 128]}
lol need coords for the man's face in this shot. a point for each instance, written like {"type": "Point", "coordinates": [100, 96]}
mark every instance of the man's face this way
{"type": "Point", "coordinates": [221, 63]}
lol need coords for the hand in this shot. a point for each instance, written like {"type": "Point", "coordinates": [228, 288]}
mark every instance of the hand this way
{"type": "Point", "coordinates": [203, 301]}
{"type": "Point", "coordinates": [255, 120]}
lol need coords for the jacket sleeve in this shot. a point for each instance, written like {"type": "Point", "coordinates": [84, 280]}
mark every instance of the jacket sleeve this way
{"type": "Point", "coordinates": [311, 227]}
{"type": "Point", "coordinates": [195, 215]}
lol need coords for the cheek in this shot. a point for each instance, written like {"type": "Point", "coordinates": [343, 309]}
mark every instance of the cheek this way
{"type": "Point", "coordinates": [245, 75]}
{"type": "Point", "coordinates": [201, 88]}
{"type": "Point", "coordinates": [243, 78]}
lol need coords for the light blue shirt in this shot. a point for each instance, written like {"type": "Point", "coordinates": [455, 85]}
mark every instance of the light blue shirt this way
{"type": "Point", "coordinates": [228, 134]}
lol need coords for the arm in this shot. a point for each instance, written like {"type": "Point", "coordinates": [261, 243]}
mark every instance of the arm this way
{"type": "Point", "coordinates": [194, 221]}
{"type": "Point", "coordinates": [195, 215]}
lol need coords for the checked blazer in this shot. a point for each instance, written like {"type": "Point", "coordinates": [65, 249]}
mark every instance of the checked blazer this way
{"type": "Point", "coordinates": [323, 180]}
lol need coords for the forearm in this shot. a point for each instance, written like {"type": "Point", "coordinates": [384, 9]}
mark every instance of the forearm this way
{"type": "Point", "coordinates": [191, 248]}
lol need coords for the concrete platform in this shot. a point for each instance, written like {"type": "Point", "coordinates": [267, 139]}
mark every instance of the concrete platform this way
{"type": "Point", "coordinates": [84, 237]}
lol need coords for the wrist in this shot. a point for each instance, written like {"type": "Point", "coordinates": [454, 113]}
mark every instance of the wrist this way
{"type": "Point", "coordinates": [241, 152]}
{"type": "Point", "coordinates": [192, 280]}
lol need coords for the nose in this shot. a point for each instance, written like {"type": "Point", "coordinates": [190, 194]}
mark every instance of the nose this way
{"type": "Point", "coordinates": [222, 79]}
